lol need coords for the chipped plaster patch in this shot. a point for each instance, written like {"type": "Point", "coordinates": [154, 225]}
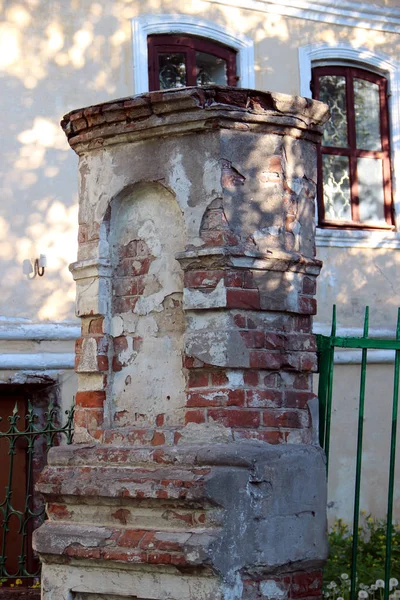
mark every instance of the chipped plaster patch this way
{"type": "Point", "coordinates": [88, 361]}
{"type": "Point", "coordinates": [271, 590]}
{"type": "Point", "coordinates": [117, 326]}
{"type": "Point", "coordinates": [196, 299]}
{"type": "Point", "coordinates": [149, 233]}
{"type": "Point", "coordinates": [212, 432]}
{"type": "Point", "coordinates": [178, 179]}
{"type": "Point", "coordinates": [235, 378]}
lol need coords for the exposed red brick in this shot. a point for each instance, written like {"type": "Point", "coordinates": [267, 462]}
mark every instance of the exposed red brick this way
{"type": "Point", "coordinates": [202, 279]}
{"type": "Point", "coordinates": [129, 250]}
{"type": "Point", "coordinates": [305, 585]}
{"type": "Point", "coordinates": [158, 439]}
{"type": "Point", "coordinates": [235, 418]}
{"type": "Point", "coordinates": [131, 538]}
{"type": "Point", "coordinates": [275, 341]}
{"type": "Point", "coordinates": [147, 542]}
{"type": "Point", "coordinates": [142, 248]}
{"type": "Point", "coordinates": [177, 437]}
{"type": "Point", "coordinates": [297, 399]}
{"type": "Point", "coordinates": [248, 281]}
{"type": "Point", "coordinates": [122, 515]}
{"type": "Point", "coordinates": [264, 398]}
{"type": "Point", "coordinates": [96, 325]}
{"type": "Point", "coordinates": [271, 436]}
{"type": "Point", "coordinates": [198, 379]}
{"type": "Point", "coordinates": [307, 305]}
{"type": "Point", "coordinates": [125, 286]}
{"type": "Point", "coordinates": [303, 323]}
{"type": "Point", "coordinates": [240, 321]}
{"type": "Point", "coordinates": [195, 416]}
{"type": "Point", "coordinates": [265, 360]}
{"type": "Point", "coordinates": [293, 419]}
{"type": "Point", "coordinates": [220, 238]}
{"type": "Point", "coordinates": [308, 362]}
{"type": "Point", "coordinates": [233, 278]}
{"type": "Point", "coordinates": [80, 416]}
{"type": "Point", "coordinates": [102, 363]}
{"type": "Point", "coordinates": [124, 304]}
{"type": "Point", "coordinates": [270, 380]}
{"type": "Point", "coordinates": [239, 298]}
{"type": "Point", "coordinates": [219, 378]}
{"type": "Point", "coordinates": [58, 512]}
{"type": "Point", "coordinates": [160, 419]}
{"type": "Point", "coordinates": [250, 377]}
{"type": "Point", "coordinates": [133, 266]}
{"type": "Point", "coordinates": [120, 344]}
{"type": "Point", "coordinates": [90, 399]}
{"type": "Point", "coordinates": [253, 339]}
{"type": "Point", "coordinates": [309, 286]}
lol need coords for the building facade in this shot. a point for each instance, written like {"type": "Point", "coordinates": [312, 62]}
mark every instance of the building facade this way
{"type": "Point", "coordinates": [58, 56]}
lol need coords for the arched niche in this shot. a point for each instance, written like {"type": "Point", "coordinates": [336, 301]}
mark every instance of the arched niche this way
{"type": "Point", "coordinates": [146, 230]}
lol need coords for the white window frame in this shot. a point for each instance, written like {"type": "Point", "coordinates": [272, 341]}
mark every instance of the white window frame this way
{"type": "Point", "coordinates": [146, 25]}
{"type": "Point", "coordinates": [313, 55]}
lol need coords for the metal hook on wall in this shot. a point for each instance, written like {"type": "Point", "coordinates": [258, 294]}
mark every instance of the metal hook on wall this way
{"type": "Point", "coordinates": [37, 269]}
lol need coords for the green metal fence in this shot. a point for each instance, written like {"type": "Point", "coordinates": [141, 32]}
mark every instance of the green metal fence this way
{"type": "Point", "coordinates": [24, 443]}
{"type": "Point", "coordinates": [326, 349]}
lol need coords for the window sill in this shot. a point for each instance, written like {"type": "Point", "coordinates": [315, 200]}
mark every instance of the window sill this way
{"type": "Point", "coordinates": [353, 238]}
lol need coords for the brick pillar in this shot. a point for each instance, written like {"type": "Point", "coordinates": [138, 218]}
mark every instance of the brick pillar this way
{"type": "Point", "coordinates": [194, 472]}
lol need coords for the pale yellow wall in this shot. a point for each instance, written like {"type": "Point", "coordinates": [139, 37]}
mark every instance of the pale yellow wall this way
{"type": "Point", "coordinates": [376, 443]}
{"type": "Point", "coordinates": [55, 56]}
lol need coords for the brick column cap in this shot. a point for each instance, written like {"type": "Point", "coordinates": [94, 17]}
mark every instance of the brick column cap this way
{"type": "Point", "coordinates": [192, 109]}
{"type": "Point", "coordinates": [233, 257]}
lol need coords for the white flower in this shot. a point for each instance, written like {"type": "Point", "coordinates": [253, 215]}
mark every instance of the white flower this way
{"type": "Point", "coordinates": [393, 582]}
{"type": "Point", "coordinates": [363, 586]}
{"type": "Point", "coordinates": [392, 597]}
{"type": "Point", "coordinates": [397, 593]}
{"type": "Point", "coordinates": [380, 583]}
{"type": "Point", "coordinates": [339, 598]}
{"type": "Point", "coordinates": [374, 587]}
{"type": "Point", "coordinates": [344, 576]}
{"type": "Point", "coordinates": [362, 594]}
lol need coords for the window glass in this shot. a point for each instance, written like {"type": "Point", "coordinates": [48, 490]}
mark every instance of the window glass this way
{"type": "Point", "coordinates": [354, 187]}
{"type": "Point", "coordinates": [178, 61]}
{"type": "Point", "coordinates": [333, 93]}
{"type": "Point", "coordinates": [210, 69]}
{"type": "Point", "coordinates": [367, 115]}
{"type": "Point", "coordinates": [336, 180]}
{"type": "Point", "coordinates": [370, 189]}
{"type": "Point", "coordinates": [172, 70]}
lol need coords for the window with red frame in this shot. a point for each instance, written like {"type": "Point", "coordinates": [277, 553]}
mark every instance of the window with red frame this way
{"type": "Point", "coordinates": [176, 61]}
{"type": "Point", "coordinates": [354, 173]}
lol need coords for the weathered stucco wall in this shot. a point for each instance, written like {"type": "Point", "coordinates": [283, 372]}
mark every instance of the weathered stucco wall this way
{"type": "Point", "coordinates": [56, 56]}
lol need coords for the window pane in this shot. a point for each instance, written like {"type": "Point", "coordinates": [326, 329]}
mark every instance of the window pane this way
{"type": "Point", "coordinates": [210, 69]}
{"type": "Point", "coordinates": [367, 112]}
{"type": "Point", "coordinates": [336, 183]}
{"type": "Point", "coordinates": [172, 70]}
{"type": "Point", "coordinates": [333, 92]}
{"type": "Point", "coordinates": [370, 189]}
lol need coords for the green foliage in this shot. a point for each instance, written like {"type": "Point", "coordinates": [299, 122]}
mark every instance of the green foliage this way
{"type": "Point", "coordinates": [371, 555]}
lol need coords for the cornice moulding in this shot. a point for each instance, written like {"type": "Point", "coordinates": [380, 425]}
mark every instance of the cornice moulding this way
{"type": "Point", "coordinates": [341, 12]}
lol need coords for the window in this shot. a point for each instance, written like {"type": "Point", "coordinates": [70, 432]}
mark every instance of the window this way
{"type": "Point", "coordinates": [176, 61]}
{"type": "Point", "coordinates": [354, 188]}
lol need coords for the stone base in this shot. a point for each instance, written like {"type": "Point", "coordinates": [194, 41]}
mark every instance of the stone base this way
{"type": "Point", "coordinates": [226, 521]}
